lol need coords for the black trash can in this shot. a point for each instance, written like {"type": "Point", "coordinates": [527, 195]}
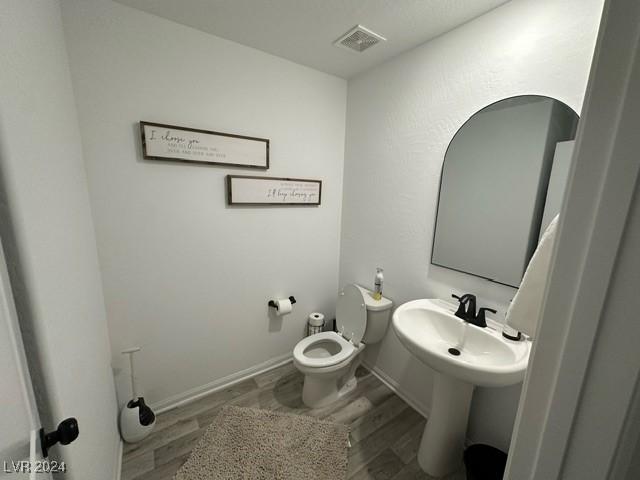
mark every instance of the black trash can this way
{"type": "Point", "coordinates": [484, 462]}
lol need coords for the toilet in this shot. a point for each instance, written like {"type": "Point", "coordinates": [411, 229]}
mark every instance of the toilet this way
{"type": "Point", "coordinates": [329, 360]}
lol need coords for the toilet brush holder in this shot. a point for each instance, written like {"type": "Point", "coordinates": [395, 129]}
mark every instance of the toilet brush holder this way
{"type": "Point", "coordinates": [136, 417]}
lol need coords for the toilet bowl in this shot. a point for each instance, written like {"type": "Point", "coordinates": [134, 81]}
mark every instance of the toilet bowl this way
{"type": "Point", "coordinates": [329, 360]}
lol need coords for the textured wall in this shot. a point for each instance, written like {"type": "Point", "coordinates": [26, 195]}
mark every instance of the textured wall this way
{"type": "Point", "coordinates": [185, 276]}
{"type": "Point", "coordinates": [400, 119]}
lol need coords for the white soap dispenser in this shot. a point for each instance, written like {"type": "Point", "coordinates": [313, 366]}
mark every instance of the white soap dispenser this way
{"type": "Point", "coordinates": [379, 280]}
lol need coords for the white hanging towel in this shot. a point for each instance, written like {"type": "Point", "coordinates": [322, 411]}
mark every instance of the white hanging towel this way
{"type": "Point", "coordinates": [524, 312]}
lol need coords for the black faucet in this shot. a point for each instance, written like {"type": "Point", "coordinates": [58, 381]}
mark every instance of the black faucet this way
{"type": "Point", "coordinates": [470, 311]}
{"type": "Point", "coordinates": [468, 314]}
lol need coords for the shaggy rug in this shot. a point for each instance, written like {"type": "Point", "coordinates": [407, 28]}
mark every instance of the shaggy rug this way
{"type": "Point", "coordinates": [246, 443]}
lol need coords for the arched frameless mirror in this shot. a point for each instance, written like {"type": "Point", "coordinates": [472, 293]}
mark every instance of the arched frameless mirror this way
{"type": "Point", "coordinates": [503, 179]}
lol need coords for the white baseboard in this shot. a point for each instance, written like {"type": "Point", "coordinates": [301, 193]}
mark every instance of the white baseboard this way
{"type": "Point", "coordinates": [119, 452]}
{"type": "Point", "coordinates": [419, 406]}
{"type": "Point", "coordinates": [220, 384]}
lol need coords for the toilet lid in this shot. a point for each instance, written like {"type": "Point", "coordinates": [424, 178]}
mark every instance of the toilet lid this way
{"type": "Point", "coordinates": [351, 314]}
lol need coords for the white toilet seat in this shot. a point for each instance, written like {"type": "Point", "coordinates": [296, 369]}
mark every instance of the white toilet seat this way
{"type": "Point", "coordinates": [329, 360]}
{"type": "Point", "coordinates": [347, 350]}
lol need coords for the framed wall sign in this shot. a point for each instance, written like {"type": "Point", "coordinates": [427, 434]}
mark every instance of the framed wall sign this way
{"type": "Point", "coordinates": [182, 144]}
{"type": "Point", "coordinates": [246, 190]}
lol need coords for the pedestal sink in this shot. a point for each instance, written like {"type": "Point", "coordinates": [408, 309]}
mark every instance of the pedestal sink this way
{"type": "Point", "coordinates": [463, 356]}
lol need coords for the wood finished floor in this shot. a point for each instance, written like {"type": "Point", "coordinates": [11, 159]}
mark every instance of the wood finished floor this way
{"type": "Point", "coordinates": [385, 431]}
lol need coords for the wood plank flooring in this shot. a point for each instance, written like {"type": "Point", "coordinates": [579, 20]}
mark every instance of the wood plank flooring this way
{"type": "Point", "coordinates": [385, 431]}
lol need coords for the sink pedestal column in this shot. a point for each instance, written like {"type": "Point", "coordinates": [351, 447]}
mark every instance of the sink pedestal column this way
{"type": "Point", "coordinates": [442, 443]}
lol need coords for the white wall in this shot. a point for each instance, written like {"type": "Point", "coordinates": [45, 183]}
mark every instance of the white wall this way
{"type": "Point", "coordinates": [400, 119]}
{"type": "Point", "coordinates": [185, 276]}
{"type": "Point", "coordinates": [47, 231]}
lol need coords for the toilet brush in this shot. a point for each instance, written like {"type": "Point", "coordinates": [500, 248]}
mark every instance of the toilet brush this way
{"type": "Point", "coordinates": [136, 418]}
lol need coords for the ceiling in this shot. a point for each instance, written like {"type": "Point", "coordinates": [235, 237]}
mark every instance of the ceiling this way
{"type": "Point", "coordinates": [303, 31]}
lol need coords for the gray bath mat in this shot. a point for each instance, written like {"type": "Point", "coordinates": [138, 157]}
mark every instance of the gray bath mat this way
{"type": "Point", "coordinates": [245, 443]}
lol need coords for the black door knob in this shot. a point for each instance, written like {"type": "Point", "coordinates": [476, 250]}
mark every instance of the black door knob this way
{"type": "Point", "coordinates": [66, 433]}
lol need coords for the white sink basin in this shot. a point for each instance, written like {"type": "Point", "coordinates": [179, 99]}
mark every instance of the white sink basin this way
{"type": "Point", "coordinates": [463, 356]}
{"type": "Point", "coordinates": [428, 329]}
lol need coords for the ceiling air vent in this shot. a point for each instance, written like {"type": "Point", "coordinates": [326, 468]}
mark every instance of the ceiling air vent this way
{"type": "Point", "coordinates": [359, 39]}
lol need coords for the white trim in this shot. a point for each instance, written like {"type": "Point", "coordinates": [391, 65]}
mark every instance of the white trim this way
{"type": "Point", "coordinates": [219, 384]}
{"type": "Point", "coordinates": [9, 315]}
{"type": "Point", "coordinates": [418, 405]}
{"type": "Point", "coordinates": [119, 453]}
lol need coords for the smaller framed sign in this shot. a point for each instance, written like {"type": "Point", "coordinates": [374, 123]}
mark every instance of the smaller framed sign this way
{"type": "Point", "coordinates": [182, 144]}
{"type": "Point", "coordinates": [247, 190]}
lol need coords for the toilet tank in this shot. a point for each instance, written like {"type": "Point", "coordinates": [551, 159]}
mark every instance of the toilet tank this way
{"type": "Point", "coordinates": [378, 316]}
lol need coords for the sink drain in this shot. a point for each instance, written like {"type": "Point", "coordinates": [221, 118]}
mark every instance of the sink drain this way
{"type": "Point", "coordinates": [454, 351]}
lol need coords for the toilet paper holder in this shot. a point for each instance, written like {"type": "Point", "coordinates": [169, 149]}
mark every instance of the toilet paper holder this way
{"type": "Point", "coordinates": [272, 303]}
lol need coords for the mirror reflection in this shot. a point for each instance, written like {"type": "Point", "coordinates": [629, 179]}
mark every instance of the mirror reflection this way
{"type": "Point", "coordinates": [503, 180]}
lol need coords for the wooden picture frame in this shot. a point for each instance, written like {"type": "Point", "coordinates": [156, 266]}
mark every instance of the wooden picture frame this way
{"type": "Point", "coordinates": [250, 190]}
{"type": "Point", "coordinates": [192, 145]}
